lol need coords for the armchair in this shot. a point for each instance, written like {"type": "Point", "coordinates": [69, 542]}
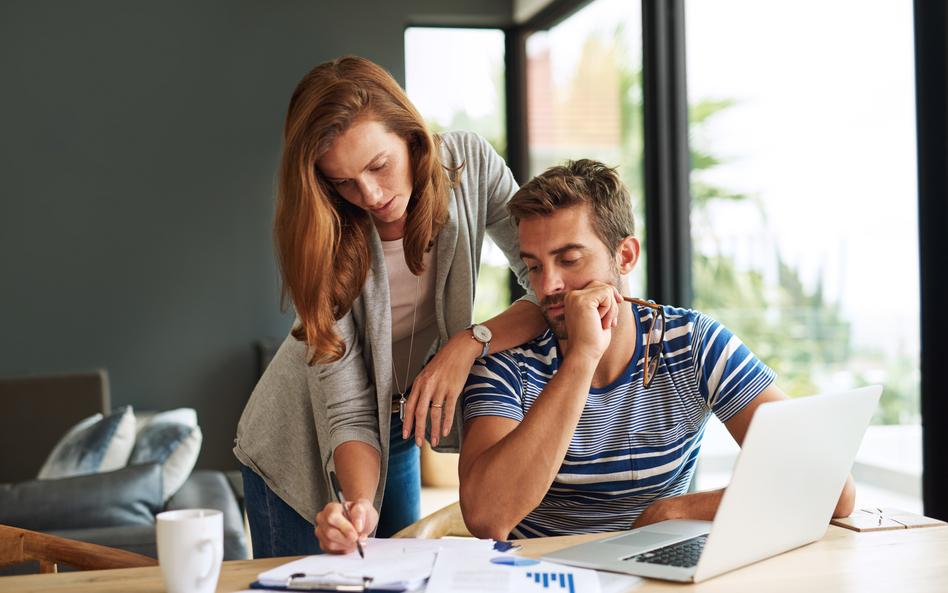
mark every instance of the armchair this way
{"type": "Point", "coordinates": [116, 508]}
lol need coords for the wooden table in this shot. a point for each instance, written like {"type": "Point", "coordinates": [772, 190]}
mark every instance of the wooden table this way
{"type": "Point", "coordinates": [914, 560]}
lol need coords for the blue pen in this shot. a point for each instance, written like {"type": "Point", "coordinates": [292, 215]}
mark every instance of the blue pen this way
{"type": "Point", "coordinates": [342, 501]}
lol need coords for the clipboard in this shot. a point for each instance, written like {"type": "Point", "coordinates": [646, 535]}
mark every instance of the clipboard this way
{"type": "Point", "coordinates": [394, 565]}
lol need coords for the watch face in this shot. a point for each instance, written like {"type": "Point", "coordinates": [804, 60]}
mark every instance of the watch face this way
{"type": "Point", "coordinates": [481, 333]}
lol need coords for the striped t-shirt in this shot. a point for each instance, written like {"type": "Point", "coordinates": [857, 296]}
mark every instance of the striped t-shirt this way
{"type": "Point", "coordinates": [632, 445]}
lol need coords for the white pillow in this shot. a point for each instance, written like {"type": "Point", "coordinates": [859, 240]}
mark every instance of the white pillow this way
{"type": "Point", "coordinates": [172, 439]}
{"type": "Point", "coordinates": [97, 444]}
{"type": "Point", "coordinates": [186, 416]}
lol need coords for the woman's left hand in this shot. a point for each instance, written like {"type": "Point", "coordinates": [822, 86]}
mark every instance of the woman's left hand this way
{"type": "Point", "coordinates": [438, 385]}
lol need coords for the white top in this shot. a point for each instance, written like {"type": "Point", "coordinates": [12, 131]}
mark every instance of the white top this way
{"type": "Point", "coordinates": [403, 285]}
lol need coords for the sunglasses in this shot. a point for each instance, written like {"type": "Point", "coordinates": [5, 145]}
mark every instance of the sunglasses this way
{"type": "Point", "coordinates": [656, 339]}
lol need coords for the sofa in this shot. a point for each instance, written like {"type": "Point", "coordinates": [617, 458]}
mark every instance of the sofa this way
{"type": "Point", "coordinates": [114, 501]}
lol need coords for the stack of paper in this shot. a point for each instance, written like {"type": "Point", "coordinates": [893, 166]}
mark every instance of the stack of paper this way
{"type": "Point", "coordinates": [458, 571]}
{"type": "Point", "coordinates": [389, 565]}
{"type": "Point", "coordinates": [463, 565]}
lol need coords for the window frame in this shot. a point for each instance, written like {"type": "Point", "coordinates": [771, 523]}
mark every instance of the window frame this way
{"type": "Point", "coordinates": [931, 96]}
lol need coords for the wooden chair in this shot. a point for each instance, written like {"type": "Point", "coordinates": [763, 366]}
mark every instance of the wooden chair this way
{"type": "Point", "coordinates": [20, 545]}
{"type": "Point", "coordinates": [441, 523]}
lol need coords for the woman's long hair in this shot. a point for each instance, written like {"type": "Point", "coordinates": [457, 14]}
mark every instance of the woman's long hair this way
{"type": "Point", "coordinates": [321, 239]}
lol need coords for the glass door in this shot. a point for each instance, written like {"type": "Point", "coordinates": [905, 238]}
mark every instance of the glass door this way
{"type": "Point", "coordinates": [804, 210]}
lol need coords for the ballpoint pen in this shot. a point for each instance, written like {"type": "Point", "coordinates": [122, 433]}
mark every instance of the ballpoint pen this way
{"type": "Point", "coordinates": [345, 508]}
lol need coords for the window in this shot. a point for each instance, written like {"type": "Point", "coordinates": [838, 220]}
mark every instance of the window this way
{"type": "Point", "coordinates": [804, 210]}
{"type": "Point", "coordinates": [455, 77]}
{"type": "Point", "coordinates": [804, 189]}
{"type": "Point", "coordinates": [584, 98]}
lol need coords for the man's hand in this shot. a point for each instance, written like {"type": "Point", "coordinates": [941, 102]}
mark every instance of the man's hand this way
{"type": "Point", "coordinates": [336, 534]}
{"type": "Point", "coordinates": [591, 313]}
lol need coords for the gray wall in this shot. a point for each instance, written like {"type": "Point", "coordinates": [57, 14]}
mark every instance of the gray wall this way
{"type": "Point", "coordinates": [139, 144]}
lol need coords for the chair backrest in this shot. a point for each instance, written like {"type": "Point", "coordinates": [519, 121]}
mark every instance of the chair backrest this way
{"type": "Point", "coordinates": [21, 545]}
{"type": "Point", "coordinates": [37, 412]}
{"type": "Point", "coordinates": [444, 522]}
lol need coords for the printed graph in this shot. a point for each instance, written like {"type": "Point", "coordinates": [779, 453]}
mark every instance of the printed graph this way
{"type": "Point", "coordinates": [553, 580]}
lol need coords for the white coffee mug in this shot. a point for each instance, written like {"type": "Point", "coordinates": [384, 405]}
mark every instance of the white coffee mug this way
{"type": "Point", "coordinates": [190, 549]}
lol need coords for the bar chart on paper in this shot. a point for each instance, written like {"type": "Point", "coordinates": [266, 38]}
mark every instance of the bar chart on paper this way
{"type": "Point", "coordinates": [550, 580]}
{"type": "Point", "coordinates": [460, 571]}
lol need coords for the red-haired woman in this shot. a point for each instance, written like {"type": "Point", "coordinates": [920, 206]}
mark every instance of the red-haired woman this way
{"type": "Point", "coordinates": [379, 229]}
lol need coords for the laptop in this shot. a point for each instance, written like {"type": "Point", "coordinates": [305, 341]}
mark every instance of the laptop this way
{"type": "Point", "coordinates": [788, 478]}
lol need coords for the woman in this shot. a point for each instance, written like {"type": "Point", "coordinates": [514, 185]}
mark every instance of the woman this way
{"type": "Point", "coordinates": [379, 227]}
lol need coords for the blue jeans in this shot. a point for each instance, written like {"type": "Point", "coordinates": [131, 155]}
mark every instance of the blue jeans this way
{"type": "Point", "coordinates": [401, 503]}
{"type": "Point", "coordinates": [277, 530]}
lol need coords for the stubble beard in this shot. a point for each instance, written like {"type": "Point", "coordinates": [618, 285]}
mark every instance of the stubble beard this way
{"type": "Point", "coordinates": [557, 323]}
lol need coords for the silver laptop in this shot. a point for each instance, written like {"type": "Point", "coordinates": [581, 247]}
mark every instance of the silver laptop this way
{"type": "Point", "coordinates": [788, 478]}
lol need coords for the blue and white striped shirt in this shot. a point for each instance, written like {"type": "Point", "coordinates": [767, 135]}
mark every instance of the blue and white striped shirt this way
{"type": "Point", "coordinates": [632, 445]}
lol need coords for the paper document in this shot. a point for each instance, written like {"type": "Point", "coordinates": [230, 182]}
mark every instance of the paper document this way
{"type": "Point", "coordinates": [459, 571]}
{"type": "Point", "coordinates": [389, 565]}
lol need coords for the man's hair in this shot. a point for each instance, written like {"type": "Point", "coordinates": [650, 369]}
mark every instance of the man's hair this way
{"type": "Point", "coordinates": [582, 182]}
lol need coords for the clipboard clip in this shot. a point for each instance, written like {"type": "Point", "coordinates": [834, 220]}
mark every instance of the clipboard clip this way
{"type": "Point", "coordinates": [294, 585]}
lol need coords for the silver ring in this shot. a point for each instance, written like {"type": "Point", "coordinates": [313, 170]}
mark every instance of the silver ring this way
{"type": "Point", "coordinates": [436, 405]}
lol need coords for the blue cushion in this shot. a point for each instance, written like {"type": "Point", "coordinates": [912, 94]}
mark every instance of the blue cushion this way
{"type": "Point", "coordinates": [129, 496]}
{"type": "Point", "coordinates": [97, 444]}
{"type": "Point", "coordinates": [173, 440]}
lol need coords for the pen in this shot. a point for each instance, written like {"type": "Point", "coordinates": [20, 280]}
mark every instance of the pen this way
{"type": "Point", "coordinates": [345, 509]}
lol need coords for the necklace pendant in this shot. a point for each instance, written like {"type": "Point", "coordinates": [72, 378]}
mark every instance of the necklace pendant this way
{"type": "Point", "coordinates": [401, 408]}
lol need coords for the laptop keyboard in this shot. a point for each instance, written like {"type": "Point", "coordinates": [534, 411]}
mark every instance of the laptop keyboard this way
{"type": "Point", "coordinates": [684, 554]}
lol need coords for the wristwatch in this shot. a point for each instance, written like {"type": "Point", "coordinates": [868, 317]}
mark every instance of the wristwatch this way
{"type": "Point", "coordinates": [482, 335]}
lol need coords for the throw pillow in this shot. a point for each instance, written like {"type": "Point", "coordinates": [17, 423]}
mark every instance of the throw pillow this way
{"type": "Point", "coordinates": [97, 444]}
{"type": "Point", "coordinates": [129, 496]}
{"type": "Point", "coordinates": [172, 439]}
{"type": "Point", "coordinates": [186, 416]}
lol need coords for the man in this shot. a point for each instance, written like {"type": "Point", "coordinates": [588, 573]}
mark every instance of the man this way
{"type": "Point", "coordinates": [561, 434]}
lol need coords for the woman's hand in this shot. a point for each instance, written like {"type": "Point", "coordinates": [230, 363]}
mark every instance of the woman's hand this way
{"type": "Point", "coordinates": [336, 534]}
{"type": "Point", "coordinates": [440, 383]}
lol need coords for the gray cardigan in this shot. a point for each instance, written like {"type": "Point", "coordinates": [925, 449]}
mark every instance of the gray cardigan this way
{"type": "Point", "coordinates": [298, 414]}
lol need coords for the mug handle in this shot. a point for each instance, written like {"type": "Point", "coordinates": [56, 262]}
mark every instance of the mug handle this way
{"type": "Point", "coordinates": [214, 562]}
